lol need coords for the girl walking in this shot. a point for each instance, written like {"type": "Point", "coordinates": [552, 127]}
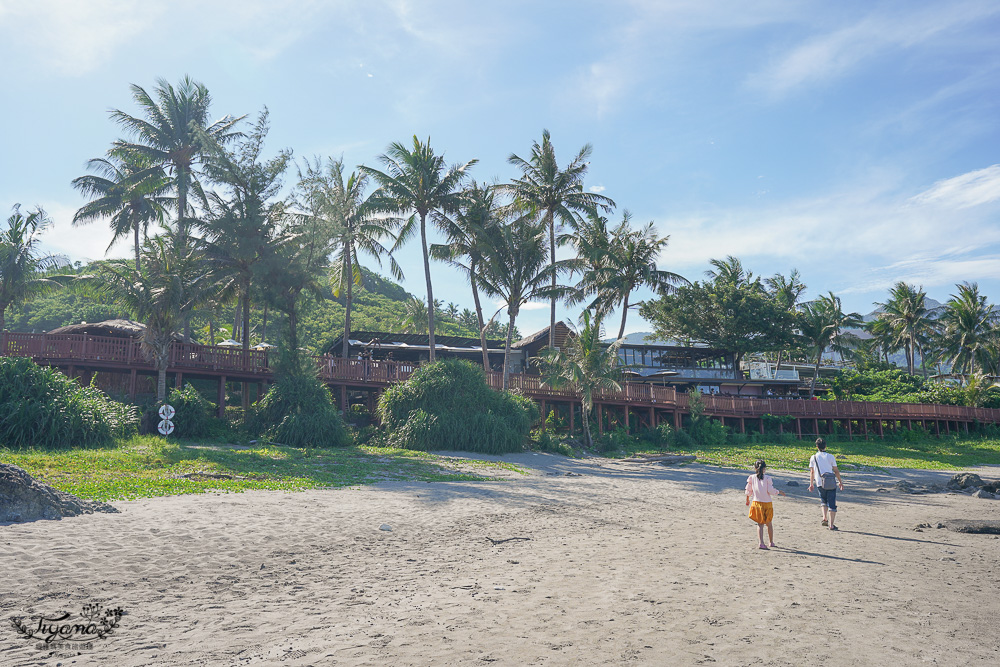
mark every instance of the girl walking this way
{"type": "Point", "coordinates": [760, 488]}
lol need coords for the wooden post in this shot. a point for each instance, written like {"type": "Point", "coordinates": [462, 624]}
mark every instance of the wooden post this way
{"type": "Point", "coordinates": [245, 393]}
{"type": "Point", "coordinates": [761, 425]}
{"type": "Point", "coordinates": [743, 425]}
{"type": "Point", "coordinates": [937, 428]}
{"type": "Point", "coordinates": [178, 380]}
{"type": "Point", "coordinates": [343, 399]}
{"type": "Point", "coordinates": [850, 432]}
{"type": "Point", "coordinates": [131, 384]}
{"type": "Point", "coordinates": [798, 427]}
{"type": "Point", "coordinates": [626, 419]}
{"type": "Point", "coordinates": [816, 423]}
{"type": "Point", "coordinates": [881, 433]}
{"type": "Point", "coordinates": [677, 420]}
{"type": "Point", "coordinates": [864, 427]}
{"type": "Point", "coordinates": [260, 391]}
{"type": "Point", "coordinates": [222, 397]}
{"type": "Point", "coordinates": [652, 417]}
{"type": "Point", "coordinates": [572, 417]}
{"type": "Point", "coordinates": [600, 420]}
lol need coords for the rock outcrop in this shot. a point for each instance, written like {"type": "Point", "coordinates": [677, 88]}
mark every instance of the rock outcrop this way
{"type": "Point", "coordinates": [23, 498]}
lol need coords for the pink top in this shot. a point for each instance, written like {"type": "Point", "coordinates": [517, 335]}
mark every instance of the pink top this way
{"type": "Point", "coordinates": [761, 490]}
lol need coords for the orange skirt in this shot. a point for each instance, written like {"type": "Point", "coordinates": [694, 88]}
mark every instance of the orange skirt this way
{"type": "Point", "coordinates": [761, 512]}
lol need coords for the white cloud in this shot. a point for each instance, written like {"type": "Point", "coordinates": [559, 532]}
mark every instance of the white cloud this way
{"type": "Point", "coordinates": [73, 37]}
{"type": "Point", "coordinates": [85, 243]}
{"type": "Point", "coordinates": [969, 189]}
{"type": "Point", "coordinates": [840, 237]}
{"type": "Point", "coordinates": [834, 53]}
{"type": "Point", "coordinates": [597, 189]}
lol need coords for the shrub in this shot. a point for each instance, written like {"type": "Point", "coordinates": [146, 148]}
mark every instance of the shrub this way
{"type": "Point", "coordinates": [194, 417]}
{"type": "Point", "coordinates": [298, 410]}
{"type": "Point", "coordinates": [41, 407]}
{"type": "Point", "coordinates": [448, 405]}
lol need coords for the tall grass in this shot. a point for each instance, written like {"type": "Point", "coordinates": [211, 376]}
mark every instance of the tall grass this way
{"type": "Point", "coordinates": [298, 411]}
{"type": "Point", "coordinates": [448, 405]}
{"type": "Point", "coordinates": [42, 408]}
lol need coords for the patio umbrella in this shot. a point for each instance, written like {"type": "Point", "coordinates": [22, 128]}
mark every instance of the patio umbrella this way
{"type": "Point", "coordinates": [230, 343]}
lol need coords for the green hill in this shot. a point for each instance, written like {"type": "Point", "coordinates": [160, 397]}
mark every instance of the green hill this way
{"type": "Point", "coordinates": [378, 306]}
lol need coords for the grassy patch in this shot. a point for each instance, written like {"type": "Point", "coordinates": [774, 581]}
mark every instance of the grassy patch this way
{"type": "Point", "coordinates": [934, 454]}
{"type": "Point", "coordinates": [145, 466]}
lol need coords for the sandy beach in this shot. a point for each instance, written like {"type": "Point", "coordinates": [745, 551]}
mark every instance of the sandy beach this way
{"type": "Point", "coordinates": [582, 562]}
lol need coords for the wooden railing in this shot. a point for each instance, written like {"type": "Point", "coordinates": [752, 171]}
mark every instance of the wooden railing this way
{"type": "Point", "coordinates": [127, 353]}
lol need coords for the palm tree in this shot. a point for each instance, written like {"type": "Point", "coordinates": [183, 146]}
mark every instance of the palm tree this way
{"type": "Point", "coordinates": [514, 269]}
{"type": "Point", "coordinates": [21, 264]}
{"type": "Point", "coordinates": [555, 194]}
{"type": "Point", "coordinates": [625, 263]}
{"type": "Point", "coordinates": [884, 338]}
{"type": "Point", "coordinates": [417, 180]}
{"type": "Point", "coordinates": [968, 329]}
{"type": "Point", "coordinates": [243, 222]}
{"type": "Point", "coordinates": [414, 316]}
{"type": "Point", "coordinates": [586, 364]}
{"type": "Point", "coordinates": [356, 226]}
{"type": "Point", "coordinates": [128, 192]}
{"type": "Point", "coordinates": [787, 292]}
{"type": "Point", "coordinates": [905, 313]}
{"type": "Point", "coordinates": [174, 281]}
{"type": "Point", "coordinates": [822, 324]}
{"type": "Point", "coordinates": [168, 134]}
{"type": "Point", "coordinates": [470, 232]}
{"type": "Point", "coordinates": [729, 270]}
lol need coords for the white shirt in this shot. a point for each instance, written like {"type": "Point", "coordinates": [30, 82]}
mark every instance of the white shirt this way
{"type": "Point", "coordinates": [819, 463]}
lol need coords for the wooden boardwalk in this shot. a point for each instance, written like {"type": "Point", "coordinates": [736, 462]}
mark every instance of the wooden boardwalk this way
{"type": "Point", "coordinates": [636, 403]}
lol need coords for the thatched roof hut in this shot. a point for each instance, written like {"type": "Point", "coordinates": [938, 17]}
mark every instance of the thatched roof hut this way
{"type": "Point", "coordinates": [110, 328]}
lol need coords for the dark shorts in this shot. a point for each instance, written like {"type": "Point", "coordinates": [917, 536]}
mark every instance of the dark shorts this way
{"type": "Point", "coordinates": [828, 498]}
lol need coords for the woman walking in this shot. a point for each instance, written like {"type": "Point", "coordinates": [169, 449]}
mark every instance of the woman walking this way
{"type": "Point", "coordinates": [760, 489]}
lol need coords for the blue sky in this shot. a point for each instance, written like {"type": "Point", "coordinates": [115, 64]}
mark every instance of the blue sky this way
{"type": "Point", "coordinates": [855, 141]}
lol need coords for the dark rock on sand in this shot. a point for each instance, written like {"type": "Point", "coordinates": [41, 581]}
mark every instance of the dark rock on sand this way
{"type": "Point", "coordinates": [984, 494]}
{"type": "Point", "coordinates": [965, 480]}
{"type": "Point", "coordinates": [987, 526]}
{"type": "Point", "coordinates": [22, 498]}
{"type": "Point", "coordinates": [791, 482]}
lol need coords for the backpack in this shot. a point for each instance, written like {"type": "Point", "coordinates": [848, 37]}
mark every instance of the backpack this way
{"type": "Point", "coordinates": [829, 481]}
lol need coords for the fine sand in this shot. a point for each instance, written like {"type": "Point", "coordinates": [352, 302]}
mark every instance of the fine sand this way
{"type": "Point", "coordinates": [620, 564]}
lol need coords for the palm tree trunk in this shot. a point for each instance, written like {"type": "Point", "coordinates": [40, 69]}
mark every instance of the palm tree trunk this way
{"type": "Point", "coordinates": [479, 316]}
{"type": "Point", "coordinates": [236, 320]}
{"type": "Point", "coordinates": [182, 191]}
{"type": "Point", "coordinates": [138, 268]}
{"type": "Point", "coordinates": [909, 355]}
{"type": "Point", "coordinates": [621, 331]}
{"type": "Point", "coordinates": [246, 317]}
{"type": "Point", "coordinates": [263, 328]}
{"type": "Point", "coordinates": [347, 306]}
{"type": "Point", "coordinates": [506, 352]}
{"type": "Point", "coordinates": [430, 288]}
{"type": "Point", "coordinates": [923, 364]}
{"type": "Point", "coordinates": [812, 388]}
{"type": "Point", "coordinates": [737, 371]}
{"type": "Point", "coordinates": [777, 365]}
{"type": "Point", "coordinates": [552, 263]}
{"type": "Point", "coordinates": [588, 439]}
{"type": "Point", "coordinates": [161, 385]}
{"type": "Point", "coordinates": [211, 330]}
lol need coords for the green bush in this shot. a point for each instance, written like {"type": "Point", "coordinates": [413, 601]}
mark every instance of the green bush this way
{"type": "Point", "coordinates": [298, 410]}
{"type": "Point", "coordinates": [448, 405]}
{"type": "Point", "coordinates": [41, 407]}
{"type": "Point", "coordinates": [195, 413]}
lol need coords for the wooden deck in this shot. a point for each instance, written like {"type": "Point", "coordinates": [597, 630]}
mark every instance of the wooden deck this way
{"type": "Point", "coordinates": [649, 402]}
